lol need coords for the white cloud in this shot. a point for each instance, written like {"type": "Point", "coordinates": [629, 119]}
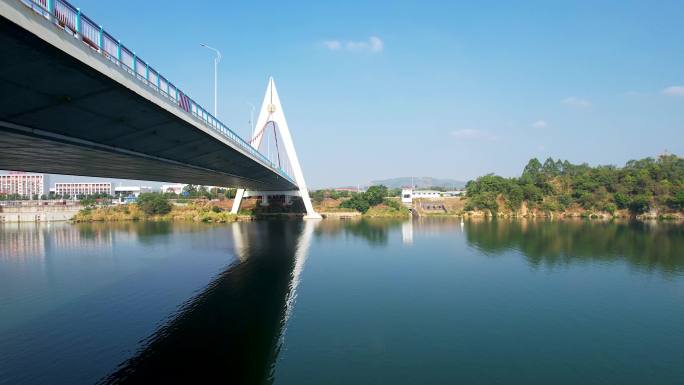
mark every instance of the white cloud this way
{"type": "Point", "coordinates": [333, 45]}
{"type": "Point", "coordinates": [674, 91]}
{"type": "Point", "coordinates": [373, 45]}
{"type": "Point", "coordinates": [540, 124]}
{"type": "Point", "coordinates": [576, 102]}
{"type": "Point", "coordinates": [472, 134]}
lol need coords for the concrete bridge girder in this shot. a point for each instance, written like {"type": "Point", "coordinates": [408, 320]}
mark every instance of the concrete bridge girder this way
{"type": "Point", "coordinates": [67, 109]}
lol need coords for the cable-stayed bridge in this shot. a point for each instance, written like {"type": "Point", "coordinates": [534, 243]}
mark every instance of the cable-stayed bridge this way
{"type": "Point", "coordinates": [74, 100]}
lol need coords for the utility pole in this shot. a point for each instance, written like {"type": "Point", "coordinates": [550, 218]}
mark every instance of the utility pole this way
{"type": "Point", "coordinates": [217, 59]}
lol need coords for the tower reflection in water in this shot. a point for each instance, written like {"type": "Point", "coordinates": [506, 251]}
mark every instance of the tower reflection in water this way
{"type": "Point", "coordinates": [232, 331]}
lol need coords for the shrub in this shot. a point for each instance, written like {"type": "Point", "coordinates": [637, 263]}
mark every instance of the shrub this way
{"type": "Point", "coordinates": [639, 204]}
{"type": "Point", "coordinates": [153, 204]}
{"type": "Point", "coordinates": [393, 204]}
{"type": "Point", "coordinates": [610, 208]}
{"type": "Point", "coordinates": [356, 202]}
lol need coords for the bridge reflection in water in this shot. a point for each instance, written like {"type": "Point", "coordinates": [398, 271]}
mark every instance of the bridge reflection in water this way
{"type": "Point", "coordinates": [233, 329]}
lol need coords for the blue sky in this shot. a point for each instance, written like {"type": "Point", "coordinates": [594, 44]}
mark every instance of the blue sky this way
{"type": "Point", "coordinates": [401, 88]}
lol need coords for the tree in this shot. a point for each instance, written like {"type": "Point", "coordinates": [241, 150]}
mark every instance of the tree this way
{"type": "Point", "coordinates": [153, 204]}
{"type": "Point", "coordinates": [357, 202]}
{"type": "Point", "coordinates": [677, 201]}
{"type": "Point", "coordinates": [638, 186]}
{"type": "Point", "coordinates": [621, 200]}
{"type": "Point", "coordinates": [640, 204]}
{"type": "Point", "coordinates": [531, 172]}
{"type": "Point", "coordinates": [230, 193]}
{"type": "Point", "coordinates": [88, 202]}
{"type": "Point", "coordinates": [376, 194]}
{"type": "Point", "coordinates": [190, 191]}
{"type": "Point", "coordinates": [514, 196]}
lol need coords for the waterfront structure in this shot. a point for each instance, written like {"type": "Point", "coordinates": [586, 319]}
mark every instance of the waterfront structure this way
{"type": "Point", "coordinates": [74, 189]}
{"type": "Point", "coordinates": [24, 184]}
{"type": "Point", "coordinates": [409, 194]}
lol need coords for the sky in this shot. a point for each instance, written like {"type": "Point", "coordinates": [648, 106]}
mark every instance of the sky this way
{"type": "Point", "coordinates": [442, 89]}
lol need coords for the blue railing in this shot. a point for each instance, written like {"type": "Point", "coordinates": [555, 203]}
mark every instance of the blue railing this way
{"type": "Point", "coordinates": [71, 20]}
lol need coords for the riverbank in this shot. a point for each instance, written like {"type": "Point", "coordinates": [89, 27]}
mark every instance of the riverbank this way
{"type": "Point", "coordinates": [330, 209]}
{"type": "Point", "coordinates": [213, 212]}
{"type": "Point", "coordinates": [457, 207]}
{"type": "Point", "coordinates": [192, 212]}
{"type": "Point", "coordinates": [37, 213]}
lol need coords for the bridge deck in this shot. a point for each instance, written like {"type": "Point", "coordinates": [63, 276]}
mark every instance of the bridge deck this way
{"type": "Point", "coordinates": [65, 108]}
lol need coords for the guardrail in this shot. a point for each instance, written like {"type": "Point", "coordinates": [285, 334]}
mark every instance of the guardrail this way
{"type": "Point", "coordinates": [71, 20]}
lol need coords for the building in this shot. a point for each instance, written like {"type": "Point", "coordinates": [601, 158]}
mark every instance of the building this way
{"type": "Point", "coordinates": [24, 184]}
{"type": "Point", "coordinates": [131, 191]}
{"type": "Point", "coordinates": [74, 189]}
{"type": "Point", "coordinates": [409, 194]}
{"type": "Point", "coordinates": [454, 193]}
{"type": "Point", "coordinates": [176, 188]}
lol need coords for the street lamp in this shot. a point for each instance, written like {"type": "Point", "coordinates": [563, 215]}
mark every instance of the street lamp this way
{"type": "Point", "coordinates": [251, 120]}
{"type": "Point", "coordinates": [217, 59]}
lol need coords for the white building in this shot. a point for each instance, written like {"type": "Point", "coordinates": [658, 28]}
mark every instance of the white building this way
{"type": "Point", "coordinates": [176, 188]}
{"type": "Point", "coordinates": [408, 194]}
{"type": "Point", "coordinates": [24, 184]}
{"type": "Point", "coordinates": [131, 191]}
{"type": "Point", "coordinates": [74, 189]}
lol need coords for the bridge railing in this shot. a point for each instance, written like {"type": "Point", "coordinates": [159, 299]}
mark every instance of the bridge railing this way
{"type": "Point", "coordinates": [71, 20]}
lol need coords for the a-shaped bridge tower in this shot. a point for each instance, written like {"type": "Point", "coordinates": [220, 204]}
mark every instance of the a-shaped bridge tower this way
{"type": "Point", "coordinates": [271, 116]}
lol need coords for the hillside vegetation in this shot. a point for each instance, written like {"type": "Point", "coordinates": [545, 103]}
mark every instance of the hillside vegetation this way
{"type": "Point", "coordinates": [555, 186]}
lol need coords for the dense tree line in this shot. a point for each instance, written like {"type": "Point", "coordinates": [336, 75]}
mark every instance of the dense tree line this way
{"type": "Point", "coordinates": [374, 196]}
{"type": "Point", "coordinates": [558, 185]}
{"type": "Point", "coordinates": [197, 192]}
{"type": "Point", "coordinates": [319, 196]}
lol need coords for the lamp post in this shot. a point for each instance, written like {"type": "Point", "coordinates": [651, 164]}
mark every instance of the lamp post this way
{"type": "Point", "coordinates": [251, 120]}
{"type": "Point", "coordinates": [217, 59]}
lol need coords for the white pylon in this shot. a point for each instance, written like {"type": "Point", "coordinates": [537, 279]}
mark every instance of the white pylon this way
{"type": "Point", "coordinates": [272, 111]}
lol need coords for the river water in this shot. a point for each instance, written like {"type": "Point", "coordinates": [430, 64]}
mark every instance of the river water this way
{"type": "Point", "coordinates": [335, 302]}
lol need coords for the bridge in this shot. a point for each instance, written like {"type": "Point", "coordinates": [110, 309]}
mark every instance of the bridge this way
{"type": "Point", "coordinates": [74, 100]}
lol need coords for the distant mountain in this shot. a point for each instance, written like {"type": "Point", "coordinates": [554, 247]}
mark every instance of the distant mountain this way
{"type": "Point", "coordinates": [420, 182]}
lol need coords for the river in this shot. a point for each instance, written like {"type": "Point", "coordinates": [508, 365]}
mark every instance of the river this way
{"type": "Point", "coordinates": [343, 302]}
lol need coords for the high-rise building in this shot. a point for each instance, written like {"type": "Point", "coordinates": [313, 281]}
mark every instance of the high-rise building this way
{"type": "Point", "coordinates": [83, 188]}
{"type": "Point", "coordinates": [24, 184]}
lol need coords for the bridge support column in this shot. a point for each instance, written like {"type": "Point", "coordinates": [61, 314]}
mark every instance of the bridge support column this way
{"type": "Point", "coordinates": [239, 194]}
{"type": "Point", "coordinates": [272, 112]}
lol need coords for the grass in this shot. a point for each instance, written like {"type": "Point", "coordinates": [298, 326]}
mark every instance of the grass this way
{"type": "Point", "coordinates": [384, 211]}
{"type": "Point", "coordinates": [195, 212]}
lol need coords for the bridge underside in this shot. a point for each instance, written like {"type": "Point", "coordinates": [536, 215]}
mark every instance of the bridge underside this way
{"type": "Point", "coordinates": [60, 115]}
